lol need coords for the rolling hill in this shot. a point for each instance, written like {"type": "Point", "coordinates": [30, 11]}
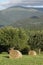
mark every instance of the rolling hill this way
{"type": "Point", "coordinates": [30, 23]}
{"type": "Point", "coordinates": [17, 15]}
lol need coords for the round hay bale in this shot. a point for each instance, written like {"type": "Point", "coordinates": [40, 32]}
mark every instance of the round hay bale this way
{"type": "Point", "coordinates": [32, 52]}
{"type": "Point", "coordinates": [15, 54]}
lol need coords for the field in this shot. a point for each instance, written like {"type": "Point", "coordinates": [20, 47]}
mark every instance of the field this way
{"type": "Point", "coordinates": [26, 60]}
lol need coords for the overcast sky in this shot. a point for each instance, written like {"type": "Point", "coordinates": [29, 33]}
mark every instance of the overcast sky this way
{"type": "Point", "coordinates": [4, 3]}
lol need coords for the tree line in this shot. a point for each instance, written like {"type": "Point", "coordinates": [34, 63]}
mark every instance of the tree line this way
{"type": "Point", "coordinates": [21, 39]}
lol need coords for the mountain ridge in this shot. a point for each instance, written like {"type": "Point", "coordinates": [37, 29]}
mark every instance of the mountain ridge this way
{"type": "Point", "coordinates": [15, 14]}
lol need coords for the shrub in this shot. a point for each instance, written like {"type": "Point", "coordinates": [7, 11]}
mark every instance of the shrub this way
{"type": "Point", "coordinates": [13, 37]}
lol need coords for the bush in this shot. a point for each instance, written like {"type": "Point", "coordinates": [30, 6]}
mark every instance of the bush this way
{"type": "Point", "coordinates": [13, 37]}
{"type": "Point", "coordinates": [36, 40]}
{"type": "Point", "coordinates": [20, 39]}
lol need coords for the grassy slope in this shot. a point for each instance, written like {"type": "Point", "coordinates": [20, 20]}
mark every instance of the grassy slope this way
{"type": "Point", "coordinates": [26, 60]}
{"type": "Point", "coordinates": [30, 23]}
{"type": "Point", "coordinates": [11, 15]}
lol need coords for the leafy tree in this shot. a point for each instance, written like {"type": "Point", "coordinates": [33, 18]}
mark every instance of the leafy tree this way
{"type": "Point", "coordinates": [36, 40]}
{"type": "Point", "coordinates": [13, 37]}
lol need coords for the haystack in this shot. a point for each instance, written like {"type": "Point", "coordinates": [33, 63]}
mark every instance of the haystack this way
{"type": "Point", "coordinates": [13, 54]}
{"type": "Point", "coordinates": [32, 52]}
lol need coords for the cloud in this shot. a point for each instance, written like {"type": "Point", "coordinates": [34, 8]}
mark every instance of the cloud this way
{"type": "Point", "coordinates": [7, 3]}
{"type": "Point", "coordinates": [2, 3]}
{"type": "Point", "coordinates": [15, 1]}
{"type": "Point", "coordinates": [30, 2]}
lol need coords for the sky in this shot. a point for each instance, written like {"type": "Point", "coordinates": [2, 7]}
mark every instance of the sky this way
{"type": "Point", "coordinates": [6, 3]}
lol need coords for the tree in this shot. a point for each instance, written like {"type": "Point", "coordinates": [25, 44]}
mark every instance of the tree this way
{"type": "Point", "coordinates": [36, 40]}
{"type": "Point", "coordinates": [13, 37]}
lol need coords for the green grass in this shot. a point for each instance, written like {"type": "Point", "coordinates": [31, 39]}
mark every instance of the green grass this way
{"type": "Point", "coordinates": [26, 60]}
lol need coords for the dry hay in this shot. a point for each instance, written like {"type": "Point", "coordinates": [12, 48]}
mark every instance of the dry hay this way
{"type": "Point", "coordinates": [13, 54]}
{"type": "Point", "coordinates": [32, 52]}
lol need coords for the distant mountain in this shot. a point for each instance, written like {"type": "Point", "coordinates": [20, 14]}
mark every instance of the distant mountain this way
{"type": "Point", "coordinates": [32, 23]}
{"type": "Point", "coordinates": [27, 7]}
{"type": "Point", "coordinates": [39, 9]}
{"type": "Point", "coordinates": [34, 17]}
{"type": "Point", "coordinates": [15, 14]}
{"type": "Point", "coordinates": [1, 26]}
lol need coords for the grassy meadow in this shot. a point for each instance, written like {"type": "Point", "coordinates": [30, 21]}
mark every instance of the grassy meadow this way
{"type": "Point", "coordinates": [25, 60]}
